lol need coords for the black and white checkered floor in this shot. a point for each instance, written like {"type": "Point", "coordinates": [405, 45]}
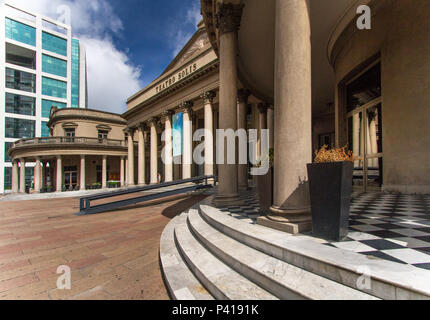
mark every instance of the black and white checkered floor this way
{"type": "Point", "coordinates": [387, 226]}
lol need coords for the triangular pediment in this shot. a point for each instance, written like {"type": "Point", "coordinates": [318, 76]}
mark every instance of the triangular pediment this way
{"type": "Point", "coordinates": [198, 43]}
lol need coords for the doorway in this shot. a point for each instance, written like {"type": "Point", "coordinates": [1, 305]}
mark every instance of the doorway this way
{"type": "Point", "coordinates": [70, 177]}
{"type": "Point", "coordinates": [364, 127]}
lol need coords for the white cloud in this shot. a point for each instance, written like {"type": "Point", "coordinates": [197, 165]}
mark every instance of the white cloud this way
{"type": "Point", "coordinates": [112, 77]}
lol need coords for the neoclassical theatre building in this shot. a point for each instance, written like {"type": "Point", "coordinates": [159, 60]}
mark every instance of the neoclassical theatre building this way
{"type": "Point", "coordinates": [302, 69]}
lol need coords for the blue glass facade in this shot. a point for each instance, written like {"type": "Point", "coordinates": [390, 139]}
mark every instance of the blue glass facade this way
{"type": "Point", "coordinates": [54, 88]}
{"type": "Point", "coordinates": [48, 104]}
{"type": "Point", "coordinates": [45, 129]}
{"type": "Point", "coordinates": [20, 32]}
{"type": "Point", "coordinates": [75, 73]}
{"type": "Point", "coordinates": [54, 44]}
{"type": "Point", "coordinates": [19, 128]}
{"type": "Point", "coordinates": [54, 66]}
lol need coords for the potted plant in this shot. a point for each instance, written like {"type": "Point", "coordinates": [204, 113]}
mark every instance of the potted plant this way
{"type": "Point", "coordinates": [330, 188]}
{"type": "Point", "coordinates": [265, 183]}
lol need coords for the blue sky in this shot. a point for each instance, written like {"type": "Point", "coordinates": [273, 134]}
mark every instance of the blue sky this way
{"type": "Point", "coordinates": [154, 31]}
{"type": "Point", "coordinates": [128, 42]}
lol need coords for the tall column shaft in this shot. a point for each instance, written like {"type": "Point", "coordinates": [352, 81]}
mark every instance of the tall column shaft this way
{"type": "Point", "coordinates": [141, 156]}
{"type": "Point", "coordinates": [15, 174]}
{"type": "Point", "coordinates": [187, 144]}
{"type": "Point", "coordinates": [262, 125]}
{"type": "Point", "coordinates": [59, 168]}
{"type": "Point", "coordinates": [37, 176]}
{"type": "Point", "coordinates": [293, 118]}
{"type": "Point", "coordinates": [121, 170]}
{"type": "Point", "coordinates": [168, 148]}
{"type": "Point", "coordinates": [104, 172]}
{"type": "Point", "coordinates": [82, 172]}
{"type": "Point", "coordinates": [22, 176]}
{"type": "Point", "coordinates": [229, 16]}
{"type": "Point", "coordinates": [209, 138]}
{"type": "Point", "coordinates": [126, 171]}
{"type": "Point", "coordinates": [270, 126]}
{"type": "Point", "coordinates": [154, 153]}
{"type": "Point", "coordinates": [130, 179]}
{"type": "Point", "coordinates": [242, 172]}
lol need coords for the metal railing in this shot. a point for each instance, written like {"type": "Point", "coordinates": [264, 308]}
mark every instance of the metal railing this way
{"type": "Point", "coordinates": [85, 202]}
{"type": "Point", "coordinates": [69, 140]}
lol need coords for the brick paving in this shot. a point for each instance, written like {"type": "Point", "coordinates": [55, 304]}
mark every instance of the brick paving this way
{"type": "Point", "coordinates": [111, 255]}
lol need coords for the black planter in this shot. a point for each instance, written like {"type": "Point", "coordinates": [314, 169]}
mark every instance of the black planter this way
{"type": "Point", "coordinates": [330, 187]}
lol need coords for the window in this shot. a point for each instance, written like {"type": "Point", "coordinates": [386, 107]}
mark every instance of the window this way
{"type": "Point", "coordinates": [20, 56]}
{"type": "Point", "coordinates": [54, 88]}
{"type": "Point", "coordinates": [7, 178]}
{"type": "Point", "coordinates": [54, 66]}
{"type": "Point", "coordinates": [20, 32]}
{"type": "Point", "coordinates": [103, 135]}
{"type": "Point", "coordinates": [7, 146]}
{"type": "Point", "coordinates": [364, 126]}
{"type": "Point", "coordinates": [19, 128]}
{"type": "Point", "coordinates": [364, 89]}
{"type": "Point", "coordinates": [70, 134]}
{"type": "Point", "coordinates": [54, 44]}
{"type": "Point", "coordinates": [45, 129]}
{"type": "Point", "coordinates": [48, 104]}
{"type": "Point", "coordinates": [20, 80]}
{"type": "Point", "coordinates": [75, 73]}
{"type": "Point", "coordinates": [20, 104]}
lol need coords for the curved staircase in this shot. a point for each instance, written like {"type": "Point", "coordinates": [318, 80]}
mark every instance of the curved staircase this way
{"type": "Point", "coordinates": [207, 254]}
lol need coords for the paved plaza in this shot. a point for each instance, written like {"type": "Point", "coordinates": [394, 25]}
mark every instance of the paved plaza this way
{"type": "Point", "coordinates": [112, 255]}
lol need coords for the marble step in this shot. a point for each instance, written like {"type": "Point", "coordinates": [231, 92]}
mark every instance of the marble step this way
{"type": "Point", "coordinates": [220, 280]}
{"type": "Point", "coordinates": [276, 276]}
{"type": "Point", "coordinates": [179, 280]}
{"type": "Point", "coordinates": [383, 279]}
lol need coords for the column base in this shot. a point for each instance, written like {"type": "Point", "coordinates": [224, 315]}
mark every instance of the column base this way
{"type": "Point", "coordinates": [288, 220]}
{"type": "Point", "coordinates": [228, 201]}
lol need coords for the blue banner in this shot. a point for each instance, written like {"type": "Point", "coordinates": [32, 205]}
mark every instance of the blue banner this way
{"type": "Point", "coordinates": [177, 134]}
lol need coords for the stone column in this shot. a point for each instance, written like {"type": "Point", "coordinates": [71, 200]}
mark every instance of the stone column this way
{"type": "Point", "coordinates": [271, 126]}
{"type": "Point", "coordinates": [373, 140]}
{"type": "Point", "coordinates": [121, 170]}
{"type": "Point", "coordinates": [130, 170]}
{"type": "Point", "coordinates": [293, 117]}
{"type": "Point", "coordinates": [187, 143]}
{"type": "Point", "coordinates": [104, 172]}
{"type": "Point", "coordinates": [168, 146]}
{"type": "Point", "coordinates": [262, 124]}
{"type": "Point", "coordinates": [59, 168]}
{"type": "Point", "coordinates": [228, 16]}
{"type": "Point", "coordinates": [356, 137]}
{"type": "Point", "coordinates": [141, 154]}
{"type": "Point", "coordinates": [22, 176]}
{"type": "Point", "coordinates": [36, 173]}
{"type": "Point", "coordinates": [152, 123]}
{"type": "Point", "coordinates": [209, 127]}
{"type": "Point", "coordinates": [82, 180]}
{"type": "Point", "coordinates": [44, 174]}
{"type": "Point", "coordinates": [15, 174]}
{"type": "Point", "coordinates": [242, 102]}
{"type": "Point", "coordinates": [126, 172]}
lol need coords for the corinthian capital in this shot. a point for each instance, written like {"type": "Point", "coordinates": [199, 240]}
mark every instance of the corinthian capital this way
{"type": "Point", "coordinates": [208, 96]}
{"type": "Point", "coordinates": [228, 17]}
{"type": "Point", "coordinates": [186, 106]}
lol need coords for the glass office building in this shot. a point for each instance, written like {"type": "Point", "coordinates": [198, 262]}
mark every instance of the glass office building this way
{"type": "Point", "coordinates": [43, 66]}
